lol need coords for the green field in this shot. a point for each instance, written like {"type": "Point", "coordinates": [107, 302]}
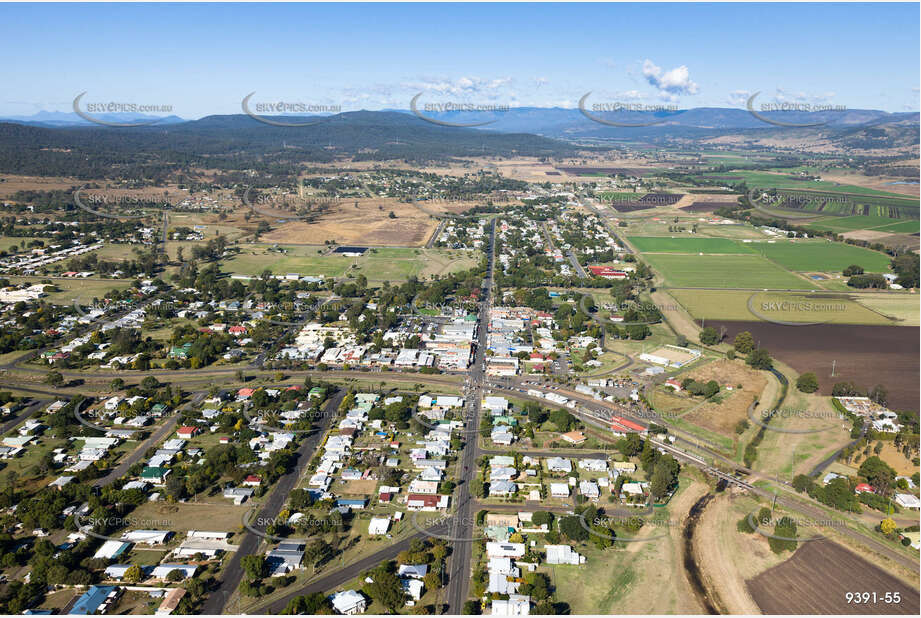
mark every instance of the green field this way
{"type": "Point", "coordinates": [789, 181]}
{"type": "Point", "coordinates": [902, 227]}
{"type": "Point", "coordinates": [822, 256]}
{"type": "Point", "coordinates": [724, 271]}
{"type": "Point", "coordinates": [739, 305]}
{"type": "Point", "coordinates": [863, 222]}
{"type": "Point", "coordinates": [664, 244]}
{"type": "Point", "coordinates": [378, 264]}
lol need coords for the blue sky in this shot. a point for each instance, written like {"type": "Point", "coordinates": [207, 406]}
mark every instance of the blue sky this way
{"type": "Point", "coordinates": [203, 59]}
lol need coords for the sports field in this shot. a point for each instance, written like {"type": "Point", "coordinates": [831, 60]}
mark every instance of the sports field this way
{"type": "Point", "coordinates": [821, 255]}
{"type": "Point", "coordinates": [377, 264]}
{"type": "Point", "coordinates": [724, 271]}
{"type": "Point", "coordinates": [665, 244]}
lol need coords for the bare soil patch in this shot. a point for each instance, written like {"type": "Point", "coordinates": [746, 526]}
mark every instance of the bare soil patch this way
{"type": "Point", "coordinates": [866, 355]}
{"type": "Point", "coordinates": [368, 224]}
{"type": "Point", "coordinates": [817, 578]}
{"type": "Point", "coordinates": [722, 417]}
{"type": "Point", "coordinates": [364, 487]}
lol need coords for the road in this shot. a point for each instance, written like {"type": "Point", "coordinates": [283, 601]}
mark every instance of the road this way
{"type": "Point", "coordinates": [233, 571]}
{"type": "Point", "coordinates": [24, 414]}
{"type": "Point", "coordinates": [459, 569]}
{"type": "Point", "coordinates": [156, 438]}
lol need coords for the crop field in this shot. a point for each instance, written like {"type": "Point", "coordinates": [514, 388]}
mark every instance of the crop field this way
{"type": "Point", "coordinates": [724, 271]}
{"type": "Point", "coordinates": [665, 244]}
{"type": "Point", "coordinates": [816, 579]}
{"type": "Point", "coordinates": [822, 256]}
{"type": "Point", "coordinates": [863, 222]}
{"type": "Point", "coordinates": [804, 308]}
{"type": "Point", "coordinates": [782, 180]}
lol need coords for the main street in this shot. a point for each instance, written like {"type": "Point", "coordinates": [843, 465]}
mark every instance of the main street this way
{"type": "Point", "coordinates": [459, 569]}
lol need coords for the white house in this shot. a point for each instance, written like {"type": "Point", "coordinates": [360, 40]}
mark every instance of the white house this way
{"type": "Point", "coordinates": [349, 602]}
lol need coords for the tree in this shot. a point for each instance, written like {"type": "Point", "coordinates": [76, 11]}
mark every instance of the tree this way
{"type": "Point", "coordinates": [254, 566]}
{"type": "Point", "coordinates": [879, 394]}
{"type": "Point", "coordinates": [54, 378]}
{"type": "Point", "coordinates": [385, 588]}
{"type": "Point", "coordinates": [852, 270]}
{"type": "Point", "coordinates": [759, 359]}
{"type": "Point", "coordinates": [887, 526]}
{"type": "Point", "coordinates": [572, 527]}
{"type": "Point", "coordinates": [744, 342]}
{"type": "Point", "coordinates": [176, 575]}
{"type": "Point", "coordinates": [878, 473]}
{"type": "Point", "coordinates": [784, 537]}
{"type": "Point", "coordinates": [709, 336]}
{"type": "Point", "coordinates": [134, 574]}
{"type": "Point", "coordinates": [807, 383]}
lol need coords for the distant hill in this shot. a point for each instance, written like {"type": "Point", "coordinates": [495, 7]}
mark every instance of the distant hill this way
{"type": "Point", "coordinates": [237, 141]}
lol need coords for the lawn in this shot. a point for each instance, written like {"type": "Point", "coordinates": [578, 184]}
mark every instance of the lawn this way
{"type": "Point", "coordinates": [686, 245]}
{"type": "Point", "coordinates": [821, 256]}
{"type": "Point", "coordinates": [724, 271]}
{"type": "Point", "coordinates": [84, 290]}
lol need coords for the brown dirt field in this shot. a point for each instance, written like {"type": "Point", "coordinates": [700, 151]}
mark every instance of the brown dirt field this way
{"type": "Point", "coordinates": [362, 488]}
{"type": "Point", "coordinates": [723, 417]}
{"type": "Point", "coordinates": [816, 579]}
{"type": "Point", "coordinates": [11, 184]}
{"type": "Point", "coordinates": [873, 182]}
{"type": "Point", "coordinates": [367, 225]}
{"type": "Point", "coordinates": [866, 355]}
{"type": "Point", "coordinates": [726, 557]}
{"type": "Point", "coordinates": [193, 515]}
{"type": "Point", "coordinates": [868, 235]}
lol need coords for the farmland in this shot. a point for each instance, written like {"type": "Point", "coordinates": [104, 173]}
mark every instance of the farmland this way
{"type": "Point", "coordinates": [724, 271]}
{"type": "Point", "coordinates": [788, 181]}
{"type": "Point", "coordinates": [686, 245]}
{"type": "Point", "coordinates": [822, 256]}
{"type": "Point", "coordinates": [866, 355]}
{"type": "Point", "coordinates": [816, 579]}
{"type": "Point", "coordinates": [880, 309]}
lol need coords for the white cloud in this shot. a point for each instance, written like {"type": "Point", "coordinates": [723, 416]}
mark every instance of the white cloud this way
{"type": "Point", "coordinates": [738, 97]}
{"type": "Point", "coordinates": [670, 83]}
{"type": "Point", "coordinates": [459, 86]}
{"type": "Point", "coordinates": [783, 95]}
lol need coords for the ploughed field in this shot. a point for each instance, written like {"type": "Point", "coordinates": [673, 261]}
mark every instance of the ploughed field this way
{"type": "Point", "coordinates": [865, 355]}
{"type": "Point", "coordinates": [818, 577]}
